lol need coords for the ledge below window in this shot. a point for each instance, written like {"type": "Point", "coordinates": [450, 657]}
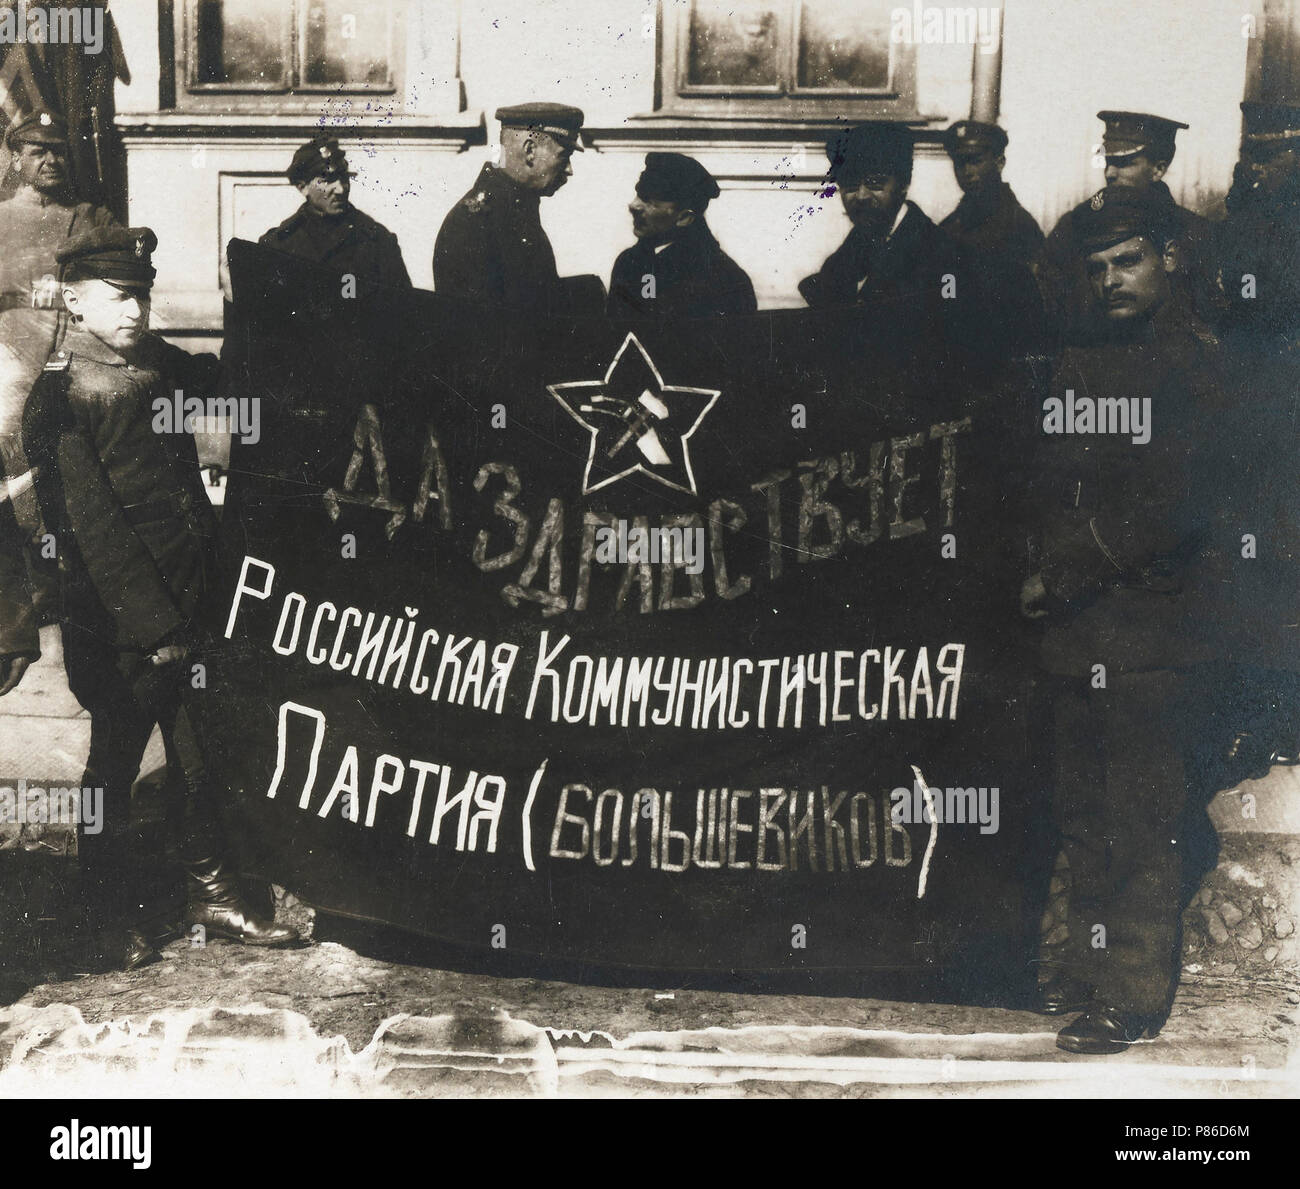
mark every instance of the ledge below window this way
{"type": "Point", "coordinates": [662, 129]}
{"type": "Point", "coordinates": [462, 130]}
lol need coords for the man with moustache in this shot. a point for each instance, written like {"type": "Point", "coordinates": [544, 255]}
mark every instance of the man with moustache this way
{"type": "Point", "coordinates": [327, 228]}
{"type": "Point", "coordinates": [1125, 537]}
{"type": "Point", "coordinates": [137, 539]}
{"type": "Point", "coordinates": [677, 268]}
{"type": "Point", "coordinates": [491, 248]}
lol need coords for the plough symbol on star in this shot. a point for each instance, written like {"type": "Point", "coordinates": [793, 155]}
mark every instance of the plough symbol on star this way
{"type": "Point", "coordinates": [636, 421]}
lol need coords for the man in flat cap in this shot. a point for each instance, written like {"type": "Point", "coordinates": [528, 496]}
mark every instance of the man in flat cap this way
{"type": "Point", "coordinates": [136, 534]}
{"type": "Point", "coordinates": [327, 228]}
{"type": "Point", "coordinates": [676, 268]}
{"type": "Point", "coordinates": [37, 217]}
{"type": "Point", "coordinates": [894, 258]}
{"type": "Point", "coordinates": [1124, 497]}
{"type": "Point", "coordinates": [1139, 148]}
{"type": "Point", "coordinates": [491, 247]}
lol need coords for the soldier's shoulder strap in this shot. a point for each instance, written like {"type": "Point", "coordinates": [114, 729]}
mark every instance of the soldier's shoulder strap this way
{"type": "Point", "coordinates": [477, 201]}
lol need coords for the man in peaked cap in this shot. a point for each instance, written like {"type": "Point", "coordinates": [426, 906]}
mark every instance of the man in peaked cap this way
{"type": "Point", "coordinates": [40, 214]}
{"type": "Point", "coordinates": [327, 228]}
{"type": "Point", "coordinates": [1124, 509]}
{"type": "Point", "coordinates": [893, 255]}
{"type": "Point", "coordinates": [1259, 241]}
{"type": "Point", "coordinates": [491, 247]}
{"type": "Point", "coordinates": [1259, 272]}
{"type": "Point", "coordinates": [123, 497]}
{"type": "Point", "coordinates": [1138, 148]}
{"type": "Point", "coordinates": [988, 219]}
{"type": "Point", "coordinates": [676, 268]}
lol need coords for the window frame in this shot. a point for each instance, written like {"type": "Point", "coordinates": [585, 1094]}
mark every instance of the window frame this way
{"type": "Point", "coordinates": [289, 93]}
{"type": "Point", "coordinates": [785, 101]}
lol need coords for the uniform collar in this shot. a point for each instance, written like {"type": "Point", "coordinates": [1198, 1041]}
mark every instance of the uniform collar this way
{"type": "Point", "coordinates": [31, 196]}
{"type": "Point", "coordinates": [979, 210]}
{"type": "Point", "coordinates": [84, 345]}
{"type": "Point", "coordinates": [494, 178]}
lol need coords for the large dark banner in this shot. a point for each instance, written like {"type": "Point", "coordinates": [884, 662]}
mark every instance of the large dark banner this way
{"type": "Point", "coordinates": [613, 642]}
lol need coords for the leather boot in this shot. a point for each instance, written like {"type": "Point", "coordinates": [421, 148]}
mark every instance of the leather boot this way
{"type": "Point", "coordinates": [1105, 1030]}
{"type": "Point", "coordinates": [116, 950]}
{"type": "Point", "coordinates": [212, 900]}
{"type": "Point", "coordinates": [1061, 993]}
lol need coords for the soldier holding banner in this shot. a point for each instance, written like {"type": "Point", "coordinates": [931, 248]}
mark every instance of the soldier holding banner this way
{"type": "Point", "coordinates": [135, 531]}
{"type": "Point", "coordinates": [1124, 514]}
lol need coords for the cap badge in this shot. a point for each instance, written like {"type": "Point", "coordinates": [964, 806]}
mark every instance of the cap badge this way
{"type": "Point", "coordinates": [324, 151]}
{"type": "Point", "coordinates": [1098, 200]}
{"type": "Point", "coordinates": [45, 119]}
{"type": "Point", "coordinates": [139, 246]}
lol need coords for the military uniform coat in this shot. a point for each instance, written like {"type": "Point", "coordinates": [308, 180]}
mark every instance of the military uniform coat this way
{"type": "Point", "coordinates": [1001, 229]}
{"type": "Point", "coordinates": [352, 242]}
{"type": "Point", "coordinates": [1124, 526]}
{"type": "Point", "coordinates": [491, 247]}
{"type": "Point", "coordinates": [693, 277]}
{"type": "Point", "coordinates": [126, 502]}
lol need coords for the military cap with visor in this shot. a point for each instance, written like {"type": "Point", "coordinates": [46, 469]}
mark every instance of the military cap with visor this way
{"type": "Point", "coordinates": [38, 127]}
{"type": "Point", "coordinates": [1119, 213]}
{"type": "Point", "coordinates": [558, 120]}
{"type": "Point", "coordinates": [320, 157]}
{"type": "Point", "coordinates": [974, 136]}
{"type": "Point", "coordinates": [1129, 133]}
{"type": "Point", "coordinates": [1266, 123]}
{"type": "Point", "coordinates": [675, 177]}
{"type": "Point", "coordinates": [122, 256]}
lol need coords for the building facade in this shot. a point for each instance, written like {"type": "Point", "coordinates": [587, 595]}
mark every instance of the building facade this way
{"type": "Point", "coordinates": [222, 91]}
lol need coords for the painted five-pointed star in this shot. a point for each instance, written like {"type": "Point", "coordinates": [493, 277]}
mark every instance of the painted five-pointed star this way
{"type": "Point", "coordinates": [636, 421]}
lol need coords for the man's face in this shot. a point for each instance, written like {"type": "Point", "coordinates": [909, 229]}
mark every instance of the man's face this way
{"type": "Point", "coordinates": [977, 170]}
{"type": "Point", "coordinates": [548, 162]}
{"type": "Point", "coordinates": [43, 166]}
{"type": "Point", "coordinates": [1137, 172]}
{"type": "Point", "coordinates": [113, 315]}
{"type": "Point", "coordinates": [657, 220]}
{"type": "Point", "coordinates": [1130, 281]}
{"type": "Point", "coordinates": [327, 194]}
{"type": "Point", "coordinates": [872, 200]}
{"type": "Point", "coordinates": [1273, 165]}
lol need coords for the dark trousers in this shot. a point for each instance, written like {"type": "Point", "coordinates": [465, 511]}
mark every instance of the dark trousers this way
{"type": "Point", "coordinates": [125, 697]}
{"type": "Point", "coordinates": [1122, 760]}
